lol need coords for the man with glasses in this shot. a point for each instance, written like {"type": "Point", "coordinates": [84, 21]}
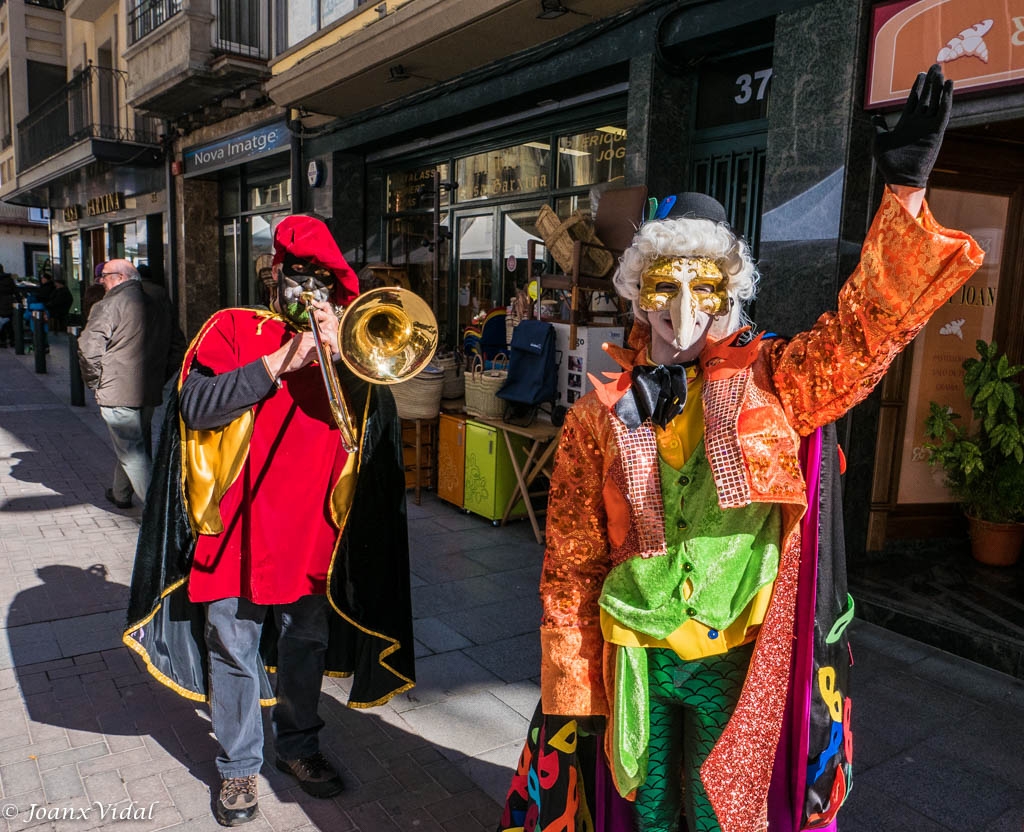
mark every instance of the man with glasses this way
{"type": "Point", "coordinates": [126, 355]}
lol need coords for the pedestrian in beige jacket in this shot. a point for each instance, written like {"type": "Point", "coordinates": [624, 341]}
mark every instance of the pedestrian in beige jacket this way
{"type": "Point", "coordinates": [127, 352]}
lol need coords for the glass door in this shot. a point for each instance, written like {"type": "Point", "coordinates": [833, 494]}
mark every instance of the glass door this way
{"type": "Point", "coordinates": [475, 248]}
{"type": "Point", "coordinates": [518, 227]}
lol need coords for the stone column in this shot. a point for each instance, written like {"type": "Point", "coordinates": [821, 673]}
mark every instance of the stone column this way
{"type": "Point", "coordinates": [817, 198]}
{"type": "Point", "coordinates": [198, 253]}
{"type": "Point", "coordinates": [657, 120]}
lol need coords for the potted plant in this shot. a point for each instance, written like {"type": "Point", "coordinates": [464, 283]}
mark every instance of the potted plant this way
{"type": "Point", "coordinates": [984, 464]}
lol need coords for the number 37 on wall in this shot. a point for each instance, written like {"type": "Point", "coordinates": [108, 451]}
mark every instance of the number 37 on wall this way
{"type": "Point", "coordinates": [746, 82]}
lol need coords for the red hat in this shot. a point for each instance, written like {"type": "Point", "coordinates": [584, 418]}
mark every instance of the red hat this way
{"type": "Point", "coordinates": [310, 239]}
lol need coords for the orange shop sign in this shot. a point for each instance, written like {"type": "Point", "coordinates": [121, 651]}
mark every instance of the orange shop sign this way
{"type": "Point", "coordinates": [979, 43]}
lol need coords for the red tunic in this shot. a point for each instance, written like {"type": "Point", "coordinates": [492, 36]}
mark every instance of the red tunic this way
{"type": "Point", "coordinates": [278, 537]}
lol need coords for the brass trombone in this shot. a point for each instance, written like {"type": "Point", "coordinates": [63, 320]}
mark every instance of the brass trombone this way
{"type": "Point", "coordinates": [386, 336]}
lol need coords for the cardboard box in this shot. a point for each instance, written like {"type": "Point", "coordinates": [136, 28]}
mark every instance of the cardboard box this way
{"type": "Point", "coordinates": [585, 356]}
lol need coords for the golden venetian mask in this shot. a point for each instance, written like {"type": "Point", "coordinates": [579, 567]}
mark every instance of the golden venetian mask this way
{"type": "Point", "coordinates": [665, 278]}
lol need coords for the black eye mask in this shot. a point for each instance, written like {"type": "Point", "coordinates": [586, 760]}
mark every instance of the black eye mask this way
{"type": "Point", "coordinates": [300, 275]}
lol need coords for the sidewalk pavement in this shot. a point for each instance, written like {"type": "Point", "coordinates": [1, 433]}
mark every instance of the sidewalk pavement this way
{"type": "Point", "coordinates": [83, 727]}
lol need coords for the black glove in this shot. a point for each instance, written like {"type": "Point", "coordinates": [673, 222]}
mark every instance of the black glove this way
{"type": "Point", "coordinates": [906, 154]}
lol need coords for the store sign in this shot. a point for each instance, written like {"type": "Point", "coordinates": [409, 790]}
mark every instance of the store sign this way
{"type": "Point", "coordinates": [978, 43]}
{"type": "Point", "coordinates": [72, 213]}
{"type": "Point", "coordinates": [104, 204]}
{"type": "Point", "coordinates": [234, 150]}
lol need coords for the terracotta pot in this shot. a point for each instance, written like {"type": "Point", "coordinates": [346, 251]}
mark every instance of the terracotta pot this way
{"type": "Point", "coordinates": [995, 544]}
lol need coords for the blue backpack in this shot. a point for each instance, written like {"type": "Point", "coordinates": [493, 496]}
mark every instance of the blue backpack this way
{"type": "Point", "coordinates": [532, 366]}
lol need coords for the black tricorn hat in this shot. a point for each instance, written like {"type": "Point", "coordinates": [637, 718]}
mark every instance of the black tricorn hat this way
{"type": "Point", "coordinates": [693, 205]}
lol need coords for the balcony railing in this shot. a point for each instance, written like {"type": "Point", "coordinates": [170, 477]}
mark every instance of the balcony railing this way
{"type": "Point", "coordinates": [91, 105]}
{"type": "Point", "coordinates": [242, 28]}
{"type": "Point", "coordinates": [147, 15]}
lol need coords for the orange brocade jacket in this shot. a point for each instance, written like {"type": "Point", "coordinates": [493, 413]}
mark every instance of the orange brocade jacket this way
{"type": "Point", "coordinates": [758, 399]}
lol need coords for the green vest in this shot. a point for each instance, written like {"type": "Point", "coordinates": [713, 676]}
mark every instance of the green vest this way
{"type": "Point", "coordinates": [727, 555]}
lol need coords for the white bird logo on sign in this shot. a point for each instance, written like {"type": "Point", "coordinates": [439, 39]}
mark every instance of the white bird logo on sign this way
{"type": "Point", "coordinates": [954, 328]}
{"type": "Point", "coordinates": [971, 41]}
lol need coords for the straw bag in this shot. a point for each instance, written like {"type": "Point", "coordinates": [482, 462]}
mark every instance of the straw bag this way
{"type": "Point", "coordinates": [482, 388]}
{"type": "Point", "coordinates": [559, 236]}
{"type": "Point", "coordinates": [454, 376]}
{"type": "Point", "coordinates": [420, 396]}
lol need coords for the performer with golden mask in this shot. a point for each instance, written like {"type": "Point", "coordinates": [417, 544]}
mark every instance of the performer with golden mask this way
{"type": "Point", "coordinates": [694, 596]}
{"type": "Point", "coordinates": [264, 545]}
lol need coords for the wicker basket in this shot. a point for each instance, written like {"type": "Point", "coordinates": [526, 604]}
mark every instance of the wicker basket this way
{"type": "Point", "coordinates": [482, 388]}
{"type": "Point", "coordinates": [420, 396]}
{"type": "Point", "coordinates": [559, 236]}
{"type": "Point", "coordinates": [454, 376]}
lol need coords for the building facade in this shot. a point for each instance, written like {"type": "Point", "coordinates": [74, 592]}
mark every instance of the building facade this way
{"type": "Point", "coordinates": [429, 133]}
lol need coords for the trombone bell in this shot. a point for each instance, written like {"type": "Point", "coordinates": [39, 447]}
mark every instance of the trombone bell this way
{"type": "Point", "coordinates": [387, 335]}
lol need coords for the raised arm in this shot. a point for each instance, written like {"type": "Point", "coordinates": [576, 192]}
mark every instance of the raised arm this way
{"type": "Point", "coordinates": [910, 265]}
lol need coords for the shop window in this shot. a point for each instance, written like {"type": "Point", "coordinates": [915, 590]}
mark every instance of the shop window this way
{"type": "Point", "coordinates": [520, 169]}
{"type": "Point", "coordinates": [592, 157]}
{"type": "Point", "coordinates": [413, 189]}
{"type": "Point", "coordinates": [949, 338]}
{"type": "Point", "coordinates": [267, 194]}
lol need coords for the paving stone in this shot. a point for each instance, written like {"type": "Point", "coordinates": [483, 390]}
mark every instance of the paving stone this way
{"type": "Point", "coordinates": [33, 751]}
{"type": "Point", "coordinates": [105, 787]}
{"type": "Point", "coordinates": [72, 755]}
{"type": "Point", "coordinates": [20, 778]}
{"type": "Point", "coordinates": [372, 816]}
{"type": "Point", "coordinates": [438, 636]}
{"type": "Point", "coordinates": [122, 762]}
{"type": "Point", "coordinates": [62, 783]}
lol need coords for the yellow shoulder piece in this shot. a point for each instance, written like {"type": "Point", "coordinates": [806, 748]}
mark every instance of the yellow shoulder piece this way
{"type": "Point", "coordinates": [211, 461]}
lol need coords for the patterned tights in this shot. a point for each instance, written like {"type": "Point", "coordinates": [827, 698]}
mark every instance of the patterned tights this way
{"type": "Point", "coordinates": [691, 702]}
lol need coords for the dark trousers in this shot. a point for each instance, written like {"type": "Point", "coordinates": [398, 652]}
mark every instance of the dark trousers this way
{"type": "Point", "coordinates": [233, 628]}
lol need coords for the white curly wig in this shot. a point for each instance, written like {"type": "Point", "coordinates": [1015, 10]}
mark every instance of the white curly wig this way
{"type": "Point", "coordinates": [690, 237]}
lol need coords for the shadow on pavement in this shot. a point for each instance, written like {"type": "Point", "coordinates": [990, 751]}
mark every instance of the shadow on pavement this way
{"type": "Point", "coordinates": [99, 715]}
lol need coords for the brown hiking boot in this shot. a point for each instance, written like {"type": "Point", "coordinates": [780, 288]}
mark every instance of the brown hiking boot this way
{"type": "Point", "coordinates": [316, 776]}
{"type": "Point", "coordinates": [237, 802]}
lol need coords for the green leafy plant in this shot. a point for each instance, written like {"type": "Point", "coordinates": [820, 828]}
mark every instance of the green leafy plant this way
{"type": "Point", "coordinates": [983, 466]}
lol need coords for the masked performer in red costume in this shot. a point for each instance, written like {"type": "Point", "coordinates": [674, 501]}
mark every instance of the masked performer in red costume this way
{"type": "Point", "coordinates": [693, 586]}
{"type": "Point", "coordinates": [264, 543]}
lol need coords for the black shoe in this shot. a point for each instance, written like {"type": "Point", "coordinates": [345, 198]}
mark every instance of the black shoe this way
{"type": "Point", "coordinates": [316, 776]}
{"type": "Point", "coordinates": [237, 802]}
{"type": "Point", "coordinates": [109, 494]}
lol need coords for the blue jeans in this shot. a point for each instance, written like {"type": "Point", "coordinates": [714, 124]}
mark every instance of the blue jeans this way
{"type": "Point", "coordinates": [131, 434]}
{"type": "Point", "coordinates": [233, 629]}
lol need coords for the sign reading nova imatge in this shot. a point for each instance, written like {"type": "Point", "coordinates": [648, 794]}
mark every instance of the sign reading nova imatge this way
{"type": "Point", "coordinates": [236, 149]}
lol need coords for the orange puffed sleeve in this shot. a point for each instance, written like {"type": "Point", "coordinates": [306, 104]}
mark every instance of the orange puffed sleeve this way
{"type": "Point", "coordinates": [908, 268]}
{"type": "Point", "coordinates": [575, 564]}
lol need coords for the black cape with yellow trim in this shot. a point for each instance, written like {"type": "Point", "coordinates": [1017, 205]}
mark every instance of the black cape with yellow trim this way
{"type": "Point", "coordinates": [368, 584]}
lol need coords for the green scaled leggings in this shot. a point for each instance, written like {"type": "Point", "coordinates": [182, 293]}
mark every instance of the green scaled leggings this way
{"type": "Point", "coordinates": [691, 702]}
